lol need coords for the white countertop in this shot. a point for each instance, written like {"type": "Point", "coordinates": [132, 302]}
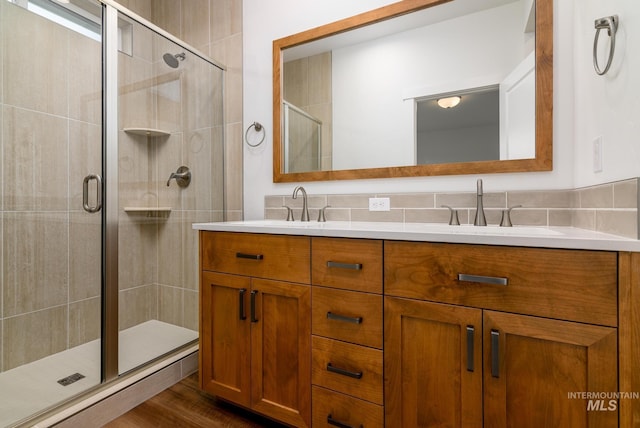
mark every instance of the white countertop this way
{"type": "Point", "coordinates": [523, 236]}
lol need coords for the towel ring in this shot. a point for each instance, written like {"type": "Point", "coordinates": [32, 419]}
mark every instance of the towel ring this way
{"type": "Point", "coordinates": [610, 23]}
{"type": "Point", "coordinates": [258, 128]}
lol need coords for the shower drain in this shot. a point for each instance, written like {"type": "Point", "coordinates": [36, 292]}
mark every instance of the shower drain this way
{"type": "Point", "coordinates": [66, 381]}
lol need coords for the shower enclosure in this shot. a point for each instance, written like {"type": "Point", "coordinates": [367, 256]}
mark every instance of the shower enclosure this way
{"type": "Point", "coordinates": [102, 116]}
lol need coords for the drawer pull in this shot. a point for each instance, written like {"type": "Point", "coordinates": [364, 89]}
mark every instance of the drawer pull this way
{"type": "Point", "coordinates": [336, 317]}
{"type": "Point", "coordinates": [483, 279]}
{"type": "Point", "coordinates": [249, 256]}
{"type": "Point", "coordinates": [332, 369]}
{"type": "Point", "coordinates": [470, 346]}
{"type": "Point", "coordinates": [253, 306]}
{"type": "Point", "coordinates": [241, 311]}
{"type": "Point", "coordinates": [495, 353]}
{"type": "Point", "coordinates": [338, 424]}
{"type": "Point", "coordinates": [352, 266]}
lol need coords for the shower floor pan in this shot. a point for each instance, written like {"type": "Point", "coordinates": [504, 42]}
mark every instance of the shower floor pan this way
{"type": "Point", "coordinates": [32, 387]}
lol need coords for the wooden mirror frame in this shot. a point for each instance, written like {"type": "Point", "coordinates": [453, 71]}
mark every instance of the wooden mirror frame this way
{"type": "Point", "coordinates": [543, 96]}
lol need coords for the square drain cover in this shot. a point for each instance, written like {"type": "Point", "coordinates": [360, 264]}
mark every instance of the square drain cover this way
{"type": "Point", "coordinates": [65, 381]}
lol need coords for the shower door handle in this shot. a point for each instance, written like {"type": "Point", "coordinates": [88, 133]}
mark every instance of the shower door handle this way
{"type": "Point", "coordinates": [85, 193]}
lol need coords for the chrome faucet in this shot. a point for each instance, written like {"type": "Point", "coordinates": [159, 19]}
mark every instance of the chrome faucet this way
{"type": "Point", "coordinates": [480, 219]}
{"type": "Point", "coordinates": [305, 210]}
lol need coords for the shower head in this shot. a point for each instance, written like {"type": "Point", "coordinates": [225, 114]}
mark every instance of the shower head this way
{"type": "Point", "coordinates": [172, 60]}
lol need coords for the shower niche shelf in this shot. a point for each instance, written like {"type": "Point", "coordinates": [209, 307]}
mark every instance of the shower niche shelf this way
{"type": "Point", "coordinates": [149, 212]}
{"type": "Point", "coordinates": [147, 132]}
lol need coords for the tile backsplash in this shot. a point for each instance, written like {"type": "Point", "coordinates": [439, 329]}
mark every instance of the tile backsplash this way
{"type": "Point", "coordinates": [609, 208]}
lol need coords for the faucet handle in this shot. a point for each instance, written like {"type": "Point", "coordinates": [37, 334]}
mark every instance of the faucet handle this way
{"type": "Point", "coordinates": [289, 213]}
{"type": "Point", "coordinates": [453, 217]}
{"type": "Point", "coordinates": [505, 221]}
{"type": "Point", "coordinates": [321, 216]}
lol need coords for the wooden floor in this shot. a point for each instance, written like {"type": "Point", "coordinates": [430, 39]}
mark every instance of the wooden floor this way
{"type": "Point", "coordinates": [185, 406]}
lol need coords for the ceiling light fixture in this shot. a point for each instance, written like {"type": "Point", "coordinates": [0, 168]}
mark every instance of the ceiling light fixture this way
{"type": "Point", "coordinates": [449, 102]}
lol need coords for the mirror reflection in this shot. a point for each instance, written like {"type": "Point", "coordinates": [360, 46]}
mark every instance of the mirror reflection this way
{"type": "Point", "coordinates": [371, 101]}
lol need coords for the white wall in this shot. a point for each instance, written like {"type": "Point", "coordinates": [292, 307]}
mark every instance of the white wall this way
{"type": "Point", "coordinates": [607, 106]}
{"type": "Point", "coordinates": [265, 21]}
{"type": "Point", "coordinates": [386, 69]}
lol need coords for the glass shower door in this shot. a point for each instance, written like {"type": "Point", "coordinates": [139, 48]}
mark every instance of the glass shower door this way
{"type": "Point", "coordinates": [170, 175]}
{"type": "Point", "coordinates": [50, 257]}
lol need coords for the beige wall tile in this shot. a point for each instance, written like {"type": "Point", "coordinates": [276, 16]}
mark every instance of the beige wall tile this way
{"type": "Point", "coordinates": [540, 199]}
{"type": "Point", "coordinates": [167, 158]}
{"type": "Point", "coordinates": [320, 79]}
{"type": "Point", "coordinates": [36, 169]}
{"type": "Point", "coordinates": [274, 201]}
{"type": "Point", "coordinates": [137, 305]}
{"type": "Point", "coordinates": [417, 200]}
{"type": "Point", "coordinates": [619, 222]}
{"type": "Point", "coordinates": [35, 44]}
{"type": "Point", "coordinates": [584, 219]}
{"type": "Point", "coordinates": [226, 18]}
{"type": "Point", "coordinates": [137, 252]}
{"type": "Point", "coordinates": [596, 197]}
{"type": "Point", "coordinates": [412, 215]}
{"type": "Point", "coordinates": [529, 217]}
{"type": "Point", "coordinates": [191, 314]}
{"type": "Point", "coordinates": [141, 7]}
{"type": "Point", "coordinates": [456, 200]}
{"type": "Point", "coordinates": [348, 201]}
{"type": "Point", "coordinates": [559, 217]}
{"type": "Point", "coordinates": [84, 321]}
{"type": "Point", "coordinates": [366, 215]}
{"type": "Point", "coordinates": [85, 71]}
{"type": "Point", "coordinates": [218, 196]}
{"type": "Point", "coordinates": [625, 194]}
{"type": "Point", "coordinates": [197, 155]}
{"type": "Point", "coordinates": [233, 167]}
{"type": "Point", "coordinates": [170, 263]}
{"type": "Point", "coordinates": [33, 336]}
{"type": "Point", "coordinates": [35, 266]}
{"type": "Point", "coordinates": [85, 146]}
{"type": "Point", "coordinates": [136, 83]}
{"type": "Point", "coordinates": [166, 15]}
{"type": "Point", "coordinates": [195, 17]}
{"type": "Point", "coordinates": [170, 305]}
{"type": "Point", "coordinates": [86, 255]}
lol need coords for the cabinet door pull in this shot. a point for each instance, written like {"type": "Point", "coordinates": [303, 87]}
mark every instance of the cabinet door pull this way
{"type": "Point", "coordinates": [352, 266]}
{"type": "Point", "coordinates": [470, 343]}
{"type": "Point", "coordinates": [494, 280]}
{"type": "Point", "coordinates": [495, 354]}
{"type": "Point", "coordinates": [253, 306]}
{"type": "Point", "coordinates": [332, 369]}
{"type": "Point", "coordinates": [249, 256]}
{"type": "Point", "coordinates": [331, 421]}
{"type": "Point", "coordinates": [241, 311]}
{"type": "Point", "coordinates": [336, 317]}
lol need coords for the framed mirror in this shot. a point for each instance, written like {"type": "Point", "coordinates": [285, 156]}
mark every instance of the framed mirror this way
{"type": "Point", "coordinates": [350, 102]}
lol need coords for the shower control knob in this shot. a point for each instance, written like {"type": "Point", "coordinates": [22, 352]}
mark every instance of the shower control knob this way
{"type": "Point", "coordinates": [182, 176]}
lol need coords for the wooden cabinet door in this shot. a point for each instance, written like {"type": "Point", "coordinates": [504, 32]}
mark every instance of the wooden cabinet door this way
{"type": "Point", "coordinates": [281, 351]}
{"type": "Point", "coordinates": [433, 364]}
{"type": "Point", "coordinates": [225, 337]}
{"type": "Point", "coordinates": [533, 365]}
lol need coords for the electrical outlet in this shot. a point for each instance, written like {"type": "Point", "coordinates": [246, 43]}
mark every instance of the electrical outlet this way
{"type": "Point", "coordinates": [597, 155]}
{"type": "Point", "coordinates": [379, 204]}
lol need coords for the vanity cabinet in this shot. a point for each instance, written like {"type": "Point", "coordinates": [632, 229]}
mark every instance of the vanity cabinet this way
{"type": "Point", "coordinates": [498, 336]}
{"type": "Point", "coordinates": [347, 358]}
{"type": "Point", "coordinates": [255, 341]}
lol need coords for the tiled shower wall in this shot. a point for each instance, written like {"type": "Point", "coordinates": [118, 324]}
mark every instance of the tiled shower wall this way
{"type": "Point", "coordinates": [50, 139]}
{"type": "Point", "coordinates": [609, 208]}
{"type": "Point", "coordinates": [307, 85]}
{"type": "Point", "coordinates": [214, 27]}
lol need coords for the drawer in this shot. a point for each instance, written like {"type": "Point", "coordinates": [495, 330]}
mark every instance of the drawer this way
{"type": "Point", "coordinates": [278, 257]}
{"type": "Point", "coordinates": [352, 264]}
{"type": "Point", "coordinates": [347, 315]}
{"type": "Point", "coordinates": [573, 285]}
{"type": "Point", "coordinates": [330, 409]}
{"type": "Point", "coordinates": [351, 369]}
